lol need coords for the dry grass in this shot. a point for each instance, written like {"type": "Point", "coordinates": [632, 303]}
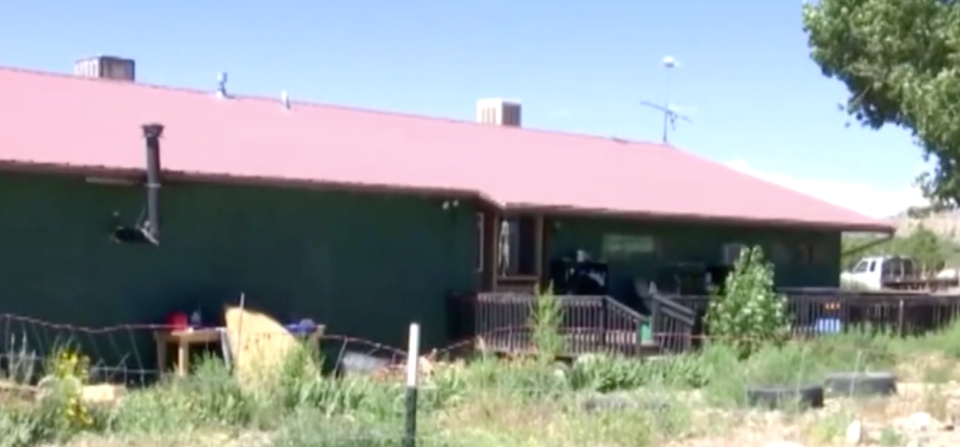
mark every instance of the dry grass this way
{"type": "Point", "coordinates": [683, 401]}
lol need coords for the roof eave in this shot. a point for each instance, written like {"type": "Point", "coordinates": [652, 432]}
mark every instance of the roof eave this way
{"type": "Point", "coordinates": [182, 176]}
{"type": "Point", "coordinates": [136, 174]}
{"type": "Point", "coordinates": [864, 227]}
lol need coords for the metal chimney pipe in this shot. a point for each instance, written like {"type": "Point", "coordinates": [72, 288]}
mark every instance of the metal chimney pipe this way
{"type": "Point", "coordinates": [152, 133]}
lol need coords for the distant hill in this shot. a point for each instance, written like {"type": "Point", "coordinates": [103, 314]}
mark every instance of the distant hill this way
{"type": "Point", "coordinates": [940, 242]}
{"type": "Point", "coordinates": [944, 224]}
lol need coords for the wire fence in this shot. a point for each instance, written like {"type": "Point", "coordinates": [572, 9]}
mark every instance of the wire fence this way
{"type": "Point", "coordinates": [873, 377]}
{"type": "Point", "coordinates": [139, 353]}
{"type": "Point", "coordinates": [128, 353]}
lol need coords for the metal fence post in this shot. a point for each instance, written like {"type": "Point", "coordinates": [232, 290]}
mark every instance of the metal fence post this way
{"type": "Point", "coordinates": [604, 323]}
{"type": "Point", "coordinates": [413, 363]}
{"type": "Point", "coordinates": [901, 318]}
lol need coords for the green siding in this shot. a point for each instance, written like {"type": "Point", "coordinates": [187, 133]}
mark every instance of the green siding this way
{"type": "Point", "coordinates": [364, 264]}
{"type": "Point", "coordinates": [700, 242]}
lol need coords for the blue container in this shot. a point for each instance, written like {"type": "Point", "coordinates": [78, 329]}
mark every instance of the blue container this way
{"type": "Point", "coordinates": [828, 326]}
{"type": "Point", "coordinates": [304, 327]}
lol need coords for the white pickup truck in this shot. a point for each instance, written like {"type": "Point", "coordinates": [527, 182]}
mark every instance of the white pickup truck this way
{"type": "Point", "coordinates": [877, 273]}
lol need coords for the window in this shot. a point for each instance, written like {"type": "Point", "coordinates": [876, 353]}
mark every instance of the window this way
{"type": "Point", "coordinates": [873, 266]}
{"type": "Point", "coordinates": [805, 255]}
{"type": "Point", "coordinates": [624, 246]}
{"type": "Point", "coordinates": [891, 267]}
{"type": "Point", "coordinates": [731, 252]}
{"type": "Point", "coordinates": [517, 246]}
{"type": "Point", "coordinates": [898, 267]}
{"type": "Point", "coordinates": [780, 253]}
{"type": "Point", "coordinates": [481, 241]}
{"type": "Point", "coordinates": [861, 267]}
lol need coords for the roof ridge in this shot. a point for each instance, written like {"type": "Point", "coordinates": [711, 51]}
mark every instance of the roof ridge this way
{"type": "Point", "coordinates": [356, 109]}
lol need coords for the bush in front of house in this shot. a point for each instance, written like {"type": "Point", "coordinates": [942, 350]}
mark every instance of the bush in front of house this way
{"type": "Point", "coordinates": [749, 313]}
{"type": "Point", "coordinates": [546, 318]}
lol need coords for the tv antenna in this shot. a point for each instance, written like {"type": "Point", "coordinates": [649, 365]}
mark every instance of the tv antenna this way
{"type": "Point", "coordinates": [670, 114]}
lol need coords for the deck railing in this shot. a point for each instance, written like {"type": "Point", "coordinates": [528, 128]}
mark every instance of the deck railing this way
{"type": "Point", "coordinates": [674, 325]}
{"type": "Point", "coordinates": [823, 311]}
{"type": "Point", "coordinates": [595, 324]}
{"type": "Point", "coordinates": [590, 324]}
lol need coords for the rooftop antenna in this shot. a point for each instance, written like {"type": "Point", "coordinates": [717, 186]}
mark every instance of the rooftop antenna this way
{"type": "Point", "coordinates": [285, 99]}
{"type": "Point", "coordinates": [222, 85]}
{"type": "Point", "coordinates": [670, 114]}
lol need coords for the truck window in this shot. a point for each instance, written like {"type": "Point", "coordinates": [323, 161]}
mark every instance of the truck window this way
{"type": "Point", "coordinates": [909, 267]}
{"type": "Point", "coordinates": [891, 267]}
{"type": "Point", "coordinates": [899, 267]}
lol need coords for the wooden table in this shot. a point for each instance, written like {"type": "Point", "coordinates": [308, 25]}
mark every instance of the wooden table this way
{"type": "Point", "coordinates": [184, 339]}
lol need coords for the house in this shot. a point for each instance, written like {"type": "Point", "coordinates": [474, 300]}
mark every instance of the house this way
{"type": "Point", "coordinates": [362, 220]}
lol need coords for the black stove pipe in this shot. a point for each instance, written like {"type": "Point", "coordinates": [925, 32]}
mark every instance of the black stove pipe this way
{"type": "Point", "coordinates": [152, 133]}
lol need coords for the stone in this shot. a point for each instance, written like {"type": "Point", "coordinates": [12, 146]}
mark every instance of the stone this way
{"type": "Point", "coordinates": [854, 434]}
{"type": "Point", "coordinates": [603, 402]}
{"type": "Point", "coordinates": [356, 363]}
{"type": "Point", "coordinates": [783, 444]}
{"type": "Point", "coordinates": [623, 401]}
{"type": "Point", "coordinates": [103, 393]}
{"type": "Point", "coordinates": [920, 422]}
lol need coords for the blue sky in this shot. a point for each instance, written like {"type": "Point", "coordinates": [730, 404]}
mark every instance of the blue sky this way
{"type": "Point", "coordinates": [757, 101]}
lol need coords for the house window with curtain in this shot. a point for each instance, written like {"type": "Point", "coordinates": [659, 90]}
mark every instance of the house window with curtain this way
{"type": "Point", "coordinates": [517, 246]}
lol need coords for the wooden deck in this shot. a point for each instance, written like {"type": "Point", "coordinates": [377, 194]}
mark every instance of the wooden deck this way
{"type": "Point", "coordinates": [499, 322]}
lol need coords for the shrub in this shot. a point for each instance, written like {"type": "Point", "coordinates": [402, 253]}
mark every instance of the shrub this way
{"type": "Point", "coordinates": [62, 390]}
{"type": "Point", "coordinates": [749, 312]}
{"type": "Point", "coordinates": [546, 319]}
{"type": "Point", "coordinates": [604, 373]}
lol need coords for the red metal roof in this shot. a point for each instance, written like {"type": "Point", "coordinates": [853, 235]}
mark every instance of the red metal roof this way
{"type": "Point", "coordinates": [70, 122]}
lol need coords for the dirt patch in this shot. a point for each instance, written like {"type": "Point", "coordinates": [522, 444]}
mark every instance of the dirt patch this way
{"type": "Point", "coordinates": [920, 413]}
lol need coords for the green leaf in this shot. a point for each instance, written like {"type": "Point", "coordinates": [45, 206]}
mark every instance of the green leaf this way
{"type": "Point", "coordinates": [749, 311]}
{"type": "Point", "coordinates": [900, 62]}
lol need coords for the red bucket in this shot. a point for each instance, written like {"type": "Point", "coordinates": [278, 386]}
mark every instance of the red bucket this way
{"type": "Point", "coordinates": [178, 321]}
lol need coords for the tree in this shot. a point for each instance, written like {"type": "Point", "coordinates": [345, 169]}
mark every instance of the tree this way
{"type": "Point", "coordinates": [900, 61]}
{"type": "Point", "coordinates": [923, 245]}
{"type": "Point", "coordinates": [749, 312]}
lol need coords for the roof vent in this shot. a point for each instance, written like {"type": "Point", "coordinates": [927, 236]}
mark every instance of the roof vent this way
{"type": "Point", "coordinates": [106, 67]}
{"type": "Point", "coordinates": [499, 112]}
{"type": "Point", "coordinates": [285, 99]}
{"type": "Point", "coordinates": [222, 85]}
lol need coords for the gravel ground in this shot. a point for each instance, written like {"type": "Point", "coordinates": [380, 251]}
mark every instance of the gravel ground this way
{"type": "Point", "coordinates": [920, 415]}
